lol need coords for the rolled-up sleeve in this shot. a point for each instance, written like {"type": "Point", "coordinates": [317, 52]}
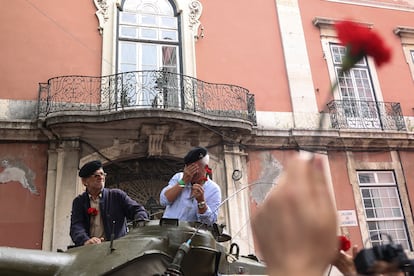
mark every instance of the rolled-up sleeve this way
{"type": "Point", "coordinates": [163, 199]}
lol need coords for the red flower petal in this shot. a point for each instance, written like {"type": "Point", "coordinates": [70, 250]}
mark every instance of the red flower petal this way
{"type": "Point", "coordinates": [92, 211]}
{"type": "Point", "coordinates": [344, 243]}
{"type": "Point", "coordinates": [362, 41]}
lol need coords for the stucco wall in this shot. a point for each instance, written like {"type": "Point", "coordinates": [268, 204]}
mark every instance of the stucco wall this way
{"type": "Point", "coordinates": [23, 171]}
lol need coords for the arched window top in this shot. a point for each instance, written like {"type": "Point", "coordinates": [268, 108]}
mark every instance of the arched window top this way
{"type": "Point", "coordinates": [156, 7]}
{"type": "Point", "coordinates": [132, 28]}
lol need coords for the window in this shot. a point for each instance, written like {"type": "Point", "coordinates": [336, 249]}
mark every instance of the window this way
{"type": "Point", "coordinates": [382, 206]}
{"type": "Point", "coordinates": [356, 91]}
{"type": "Point", "coordinates": [149, 42]}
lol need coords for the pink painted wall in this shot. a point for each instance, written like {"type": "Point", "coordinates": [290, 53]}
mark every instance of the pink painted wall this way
{"type": "Point", "coordinates": [242, 46]}
{"type": "Point", "coordinates": [395, 78]}
{"type": "Point", "coordinates": [408, 170]}
{"type": "Point", "coordinates": [43, 39]}
{"type": "Point", "coordinates": [22, 215]}
{"type": "Point", "coordinates": [344, 196]}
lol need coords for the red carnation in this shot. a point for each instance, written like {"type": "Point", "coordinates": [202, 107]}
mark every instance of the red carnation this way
{"type": "Point", "coordinates": [92, 211]}
{"type": "Point", "coordinates": [344, 243]}
{"type": "Point", "coordinates": [361, 41]}
{"type": "Point", "coordinates": [209, 171]}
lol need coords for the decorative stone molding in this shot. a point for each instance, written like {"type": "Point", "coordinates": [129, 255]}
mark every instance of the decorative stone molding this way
{"type": "Point", "coordinates": [101, 13]}
{"type": "Point", "coordinates": [155, 134]}
{"type": "Point", "coordinates": [326, 25]}
{"type": "Point", "coordinates": [407, 5]}
{"type": "Point", "coordinates": [406, 35]}
{"type": "Point", "coordinates": [403, 31]}
{"type": "Point", "coordinates": [195, 13]}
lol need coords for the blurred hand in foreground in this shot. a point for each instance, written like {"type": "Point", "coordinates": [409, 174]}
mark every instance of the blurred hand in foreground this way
{"type": "Point", "coordinates": [295, 227]}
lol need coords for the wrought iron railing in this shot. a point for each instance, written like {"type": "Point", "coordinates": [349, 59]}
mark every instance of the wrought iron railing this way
{"type": "Point", "coordinates": [348, 114]}
{"type": "Point", "coordinates": [145, 89]}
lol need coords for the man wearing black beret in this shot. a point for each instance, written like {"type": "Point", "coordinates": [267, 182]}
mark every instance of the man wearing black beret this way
{"type": "Point", "coordinates": [99, 212]}
{"type": "Point", "coordinates": [192, 195]}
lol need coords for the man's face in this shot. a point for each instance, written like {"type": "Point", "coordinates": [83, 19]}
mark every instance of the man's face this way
{"type": "Point", "coordinates": [96, 181]}
{"type": "Point", "coordinates": [201, 172]}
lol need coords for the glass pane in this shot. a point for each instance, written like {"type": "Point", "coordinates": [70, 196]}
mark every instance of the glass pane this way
{"type": "Point", "coordinates": [366, 178]}
{"type": "Point", "coordinates": [377, 203]}
{"type": "Point", "coordinates": [366, 193]}
{"type": "Point", "coordinates": [385, 177]}
{"type": "Point", "coordinates": [149, 55]}
{"type": "Point", "coordinates": [370, 213]}
{"type": "Point", "coordinates": [149, 20]}
{"type": "Point", "coordinates": [400, 234]}
{"type": "Point", "coordinates": [388, 213]}
{"type": "Point", "coordinates": [128, 53]}
{"type": "Point", "coordinates": [396, 212]}
{"type": "Point", "coordinates": [393, 192]}
{"type": "Point", "coordinates": [127, 68]}
{"type": "Point", "coordinates": [149, 67]}
{"type": "Point", "coordinates": [367, 203]}
{"type": "Point", "coordinates": [149, 34]}
{"type": "Point", "coordinates": [379, 213]}
{"type": "Point", "coordinates": [169, 35]}
{"type": "Point", "coordinates": [128, 18]}
{"type": "Point", "coordinates": [169, 56]}
{"type": "Point", "coordinates": [169, 22]}
{"type": "Point", "coordinates": [126, 31]}
{"type": "Point", "coordinates": [372, 225]}
{"type": "Point", "coordinates": [165, 7]}
{"type": "Point", "coordinates": [375, 236]}
{"type": "Point", "coordinates": [149, 9]}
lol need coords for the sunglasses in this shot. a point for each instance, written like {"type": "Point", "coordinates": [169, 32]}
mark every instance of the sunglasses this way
{"type": "Point", "coordinates": [97, 175]}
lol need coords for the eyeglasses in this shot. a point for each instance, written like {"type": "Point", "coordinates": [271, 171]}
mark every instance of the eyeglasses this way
{"type": "Point", "coordinates": [96, 175]}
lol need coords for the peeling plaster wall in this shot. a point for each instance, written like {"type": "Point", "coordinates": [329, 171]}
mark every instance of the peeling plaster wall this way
{"type": "Point", "coordinates": [12, 110]}
{"type": "Point", "coordinates": [22, 194]}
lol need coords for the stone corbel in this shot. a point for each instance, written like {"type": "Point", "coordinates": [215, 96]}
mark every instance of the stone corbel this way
{"type": "Point", "coordinates": [195, 12]}
{"type": "Point", "coordinates": [101, 13]}
{"type": "Point", "coordinates": [155, 134]}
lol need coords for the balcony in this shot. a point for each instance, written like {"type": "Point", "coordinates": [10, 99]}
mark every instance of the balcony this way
{"type": "Point", "coordinates": [143, 90]}
{"type": "Point", "coordinates": [353, 114]}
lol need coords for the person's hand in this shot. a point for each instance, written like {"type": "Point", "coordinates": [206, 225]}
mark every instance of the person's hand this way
{"type": "Point", "coordinates": [94, 240]}
{"type": "Point", "coordinates": [345, 262]}
{"type": "Point", "coordinates": [189, 172]}
{"type": "Point", "coordinates": [197, 191]}
{"type": "Point", "coordinates": [295, 228]}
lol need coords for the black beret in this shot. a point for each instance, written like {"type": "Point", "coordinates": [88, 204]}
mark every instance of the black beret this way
{"type": "Point", "coordinates": [89, 168]}
{"type": "Point", "coordinates": [194, 155]}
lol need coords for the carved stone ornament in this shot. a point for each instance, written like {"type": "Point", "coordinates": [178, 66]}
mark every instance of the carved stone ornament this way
{"type": "Point", "coordinates": [102, 12]}
{"type": "Point", "coordinates": [195, 12]}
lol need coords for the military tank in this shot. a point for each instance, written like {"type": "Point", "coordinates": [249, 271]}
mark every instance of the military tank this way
{"type": "Point", "coordinates": [154, 247]}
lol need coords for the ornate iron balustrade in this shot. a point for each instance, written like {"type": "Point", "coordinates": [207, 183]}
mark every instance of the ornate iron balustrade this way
{"type": "Point", "coordinates": [366, 115]}
{"type": "Point", "coordinates": [145, 89]}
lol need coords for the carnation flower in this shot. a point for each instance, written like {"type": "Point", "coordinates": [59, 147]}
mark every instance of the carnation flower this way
{"type": "Point", "coordinates": [344, 243]}
{"type": "Point", "coordinates": [209, 173]}
{"type": "Point", "coordinates": [361, 41]}
{"type": "Point", "coordinates": [92, 211]}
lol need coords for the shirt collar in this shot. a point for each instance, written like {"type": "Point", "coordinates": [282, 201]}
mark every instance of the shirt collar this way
{"type": "Point", "coordinates": [99, 196]}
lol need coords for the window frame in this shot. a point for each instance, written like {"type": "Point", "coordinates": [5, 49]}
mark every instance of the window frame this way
{"type": "Point", "coordinates": [379, 189]}
{"type": "Point", "coordinates": [188, 28]}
